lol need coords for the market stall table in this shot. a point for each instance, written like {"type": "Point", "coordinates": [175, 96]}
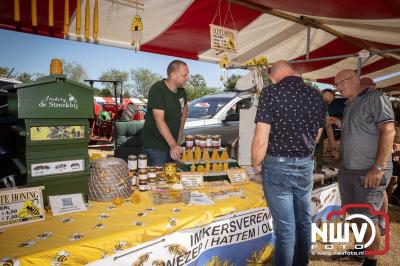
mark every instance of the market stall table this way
{"type": "Point", "coordinates": [103, 229]}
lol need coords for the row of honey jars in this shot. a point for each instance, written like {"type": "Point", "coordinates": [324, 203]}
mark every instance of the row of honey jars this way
{"type": "Point", "coordinates": [203, 141]}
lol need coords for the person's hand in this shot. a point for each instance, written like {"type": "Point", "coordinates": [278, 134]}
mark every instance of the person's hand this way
{"type": "Point", "coordinates": [175, 152]}
{"type": "Point", "coordinates": [335, 154]}
{"type": "Point", "coordinates": [333, 120]}
{"type": "Point", "coordinates": [373, 178]}
{"type": "Point", "coordinates": [257, 168]}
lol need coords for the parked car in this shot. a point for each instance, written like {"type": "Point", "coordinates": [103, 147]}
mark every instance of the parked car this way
{"type": "Point", "coordinates": [213, 109]}
{"type": "Point", "coordinates": [218, 114]}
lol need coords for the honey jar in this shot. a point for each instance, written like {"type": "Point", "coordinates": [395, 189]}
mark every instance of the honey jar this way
{"type": "Point", "coordinates": [203, 142]}
{"type": "Point", "coordinates": [142, 185]}
{"type": "Point", "coordinates": [142, 174]}
{"type": "Point", "coordinates": [142, 161]}
{"type": "Point", "coordinates": [189, 139]}
{"type": "Point", "coordinates": [132, 162]}
{"type": "Point", "coordinates": [216, 141]}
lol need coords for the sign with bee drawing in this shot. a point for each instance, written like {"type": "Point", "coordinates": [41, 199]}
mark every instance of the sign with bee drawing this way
{"type": "Point", "coordinates": [63, 204]}
{"type": "Point", "coordinates": [223, 39]}
{"type": "Point", "coordinates": [38, 133]}
{"type": "Point", "coordinates": [243, 237]}
{"type": "Point", "coordinates": [21, 206]}
{"type": "Point", "coordinates": [55, 168]}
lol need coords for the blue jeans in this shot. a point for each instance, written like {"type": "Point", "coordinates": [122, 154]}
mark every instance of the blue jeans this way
{"type": "Point", "coordinates": [287, 187]}
{"type": "Point", "coordinates": [157, 157]}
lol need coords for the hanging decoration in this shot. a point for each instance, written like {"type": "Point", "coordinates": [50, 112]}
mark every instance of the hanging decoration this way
{"type": "Point", "coordinates": [136, 29]}
{"type": "Point", "coordinates": [78, 17]}
{"type": "Point", "coordinates": [258, 68]}
{"type": "Point", "coordinates": [87, 19]}
{"type": "Point", "coordinates": [51, 13]}
{"type": "Point", "coordinates": [224, 64]}
{"type": "Point", "coordinates": [66, 16]}
{"type": "Point", "coordinates": [96, 19]}
{"type": "Point", "coordinates": [34, 13]}
{"type": "Point", "coordinates": [223, 39]}
{"type": "Point", "coordinates": [17, 11]}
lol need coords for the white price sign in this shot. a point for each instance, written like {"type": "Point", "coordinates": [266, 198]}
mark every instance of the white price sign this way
{"type": "Point", "coordinates": [64, 204]}
{"type": "Point", "coordinates": [192, 180]}
{"type": "Point", "coordinates": [237, 175]}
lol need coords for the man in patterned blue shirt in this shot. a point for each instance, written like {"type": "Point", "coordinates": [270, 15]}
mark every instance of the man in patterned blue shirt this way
{"type": "Point", "coordinates": [290, 117]}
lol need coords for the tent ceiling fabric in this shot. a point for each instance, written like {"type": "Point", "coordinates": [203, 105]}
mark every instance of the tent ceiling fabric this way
{"type": "Point", "coordinates": [181, 28]}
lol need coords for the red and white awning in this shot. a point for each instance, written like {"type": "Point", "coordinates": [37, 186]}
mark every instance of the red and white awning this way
{"type": "Point", "coordinates": [274, 29]}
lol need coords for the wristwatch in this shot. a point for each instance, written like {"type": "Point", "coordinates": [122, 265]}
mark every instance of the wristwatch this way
{"type": "Point", "coordinates": [379, 167]}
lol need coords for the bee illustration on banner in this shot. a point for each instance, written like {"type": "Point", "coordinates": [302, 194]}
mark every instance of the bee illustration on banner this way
{"type": "Point", "coordinates": [142, 259]}
{"type": "Point", "coordinates": [177, 250]}
{"type": "Point", "coordinates": [158, 263]}
{"type": "Point", "coordinates": [59, 258]}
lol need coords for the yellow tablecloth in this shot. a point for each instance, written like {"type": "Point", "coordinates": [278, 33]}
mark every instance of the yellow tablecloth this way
{"type": "Point", "coordinates": [79, 238]}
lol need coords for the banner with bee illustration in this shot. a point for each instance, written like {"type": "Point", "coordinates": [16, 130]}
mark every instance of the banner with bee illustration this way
{"type": "Point", "coordinates": [21, 206]}
{"type": "Point", "coordinates": [223, 39]}
{"type": "Point", "coordinates": [241, 238]}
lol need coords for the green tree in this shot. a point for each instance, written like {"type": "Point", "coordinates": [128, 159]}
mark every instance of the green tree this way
{"type": "Point", "coordinates": [6, 72]}
{"type": "Point", "coordinates": [116, 75]}
{"type": "Point", "coordinates": [104, 93]}
{"type": "Point", "coordinates": [143, 79]}
{"type": "Point", "coordinates": [25, 77]}
{"type": "Point", "coordinates": [197, 87]}
{"type": "Point", "coordinates": [74, 71]}
{"type": "Point", "coordinates": [231, 82]}
{"type": "Point", "coordinates": [311, 84]}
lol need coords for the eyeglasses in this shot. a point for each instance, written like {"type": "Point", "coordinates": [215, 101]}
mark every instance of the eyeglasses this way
{"type": "Point", "coordinates": [340, 83]}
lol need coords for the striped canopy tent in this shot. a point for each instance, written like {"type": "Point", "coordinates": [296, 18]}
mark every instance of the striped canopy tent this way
{"type": "Point", "coordinates": [321, 37]}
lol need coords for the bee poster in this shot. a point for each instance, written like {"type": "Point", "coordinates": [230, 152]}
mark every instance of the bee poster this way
{"type": "Point", "coordinates": [21, 206]}
{"type": "Point", "coordinates": [223, 39]}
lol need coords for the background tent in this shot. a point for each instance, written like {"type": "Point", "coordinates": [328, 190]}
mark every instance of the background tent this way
{"type": "Point", "coordinates": [275, 29]}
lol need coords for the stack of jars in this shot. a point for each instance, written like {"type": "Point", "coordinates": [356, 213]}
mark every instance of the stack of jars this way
{"type": "Point", "coordinates": [138, 173]}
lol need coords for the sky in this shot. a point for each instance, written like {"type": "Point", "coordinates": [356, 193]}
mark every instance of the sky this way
{"type": "Point", "coordinates": [32, 54]}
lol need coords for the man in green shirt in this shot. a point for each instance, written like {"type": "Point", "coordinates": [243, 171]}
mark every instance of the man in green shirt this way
{"type": "Point", "coordinates": [166, 115]}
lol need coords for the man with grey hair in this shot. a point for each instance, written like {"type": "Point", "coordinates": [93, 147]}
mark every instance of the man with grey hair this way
{"type": "Point", "coordinates": [367, 140]}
